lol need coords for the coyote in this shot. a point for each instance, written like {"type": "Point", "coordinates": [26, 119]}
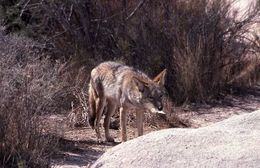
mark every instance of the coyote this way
{"type": "Point", "coordinates": [116, 86]}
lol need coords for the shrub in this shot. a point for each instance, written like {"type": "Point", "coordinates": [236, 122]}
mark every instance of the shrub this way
{"type": "Point", "coordinates": [201, 43]}
{"type": "Point", "coordinates": [29, 81]}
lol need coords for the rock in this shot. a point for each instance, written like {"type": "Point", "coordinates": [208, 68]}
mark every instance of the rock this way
{"type": "Point", "coordinates": [234, 142]}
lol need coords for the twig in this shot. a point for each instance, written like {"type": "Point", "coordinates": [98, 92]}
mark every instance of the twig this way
{"type": "Point", "coordinates": [119, 13]}
{"type": "Point", "coordinates": [107, 18]}
{"type": "Point", "coordinates": [134, 11]}
{"type": "Point", "coordinates": [71, 11]}
{"type": "Point", "coordinates": [25, 5]}
{"type": "Point", "coordinates": [60, 33]}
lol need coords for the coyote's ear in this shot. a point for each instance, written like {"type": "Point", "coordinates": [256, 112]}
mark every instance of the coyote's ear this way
{"type": "Point", "coordinates": [140, 84]}
{"type": "Point", "coordinates": [160, 78]}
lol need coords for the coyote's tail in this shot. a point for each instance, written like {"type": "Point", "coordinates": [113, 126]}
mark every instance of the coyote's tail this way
{"type": "Point", "coordinates": [92, 107]}
{"type": "Point", "coordinates": [95, 91]}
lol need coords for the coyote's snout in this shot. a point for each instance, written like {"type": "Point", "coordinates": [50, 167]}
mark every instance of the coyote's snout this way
{"type": "Point", "coordinates": [115, 86]}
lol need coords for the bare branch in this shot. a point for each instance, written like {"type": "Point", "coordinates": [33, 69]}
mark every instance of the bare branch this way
{"type": "Point", "coordinates": [141, 3]}
{"type": "Point", "coordinates": [24, 7]}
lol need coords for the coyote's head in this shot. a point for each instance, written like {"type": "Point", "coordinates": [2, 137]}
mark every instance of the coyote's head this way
{"type": "Point", "coordinates": [148, 93]}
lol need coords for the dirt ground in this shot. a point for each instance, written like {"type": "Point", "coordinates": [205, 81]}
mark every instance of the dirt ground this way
{"type": "Point", "coordinates": [78, 146]}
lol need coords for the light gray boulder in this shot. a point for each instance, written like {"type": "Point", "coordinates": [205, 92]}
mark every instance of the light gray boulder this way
{"type": "Point", "coordinates": [234, 142]}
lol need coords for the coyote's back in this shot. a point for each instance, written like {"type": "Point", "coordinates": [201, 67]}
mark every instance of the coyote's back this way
{"type": "Point", "coordinates": [116, 86]}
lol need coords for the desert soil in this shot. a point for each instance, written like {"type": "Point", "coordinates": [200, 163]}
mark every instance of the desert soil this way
{"type": "Point", "coordinates": [78, 146]}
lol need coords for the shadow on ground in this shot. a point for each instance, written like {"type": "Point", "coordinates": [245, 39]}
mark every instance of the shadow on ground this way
{"type": "Point", "coordinates": [79, 153]}
{"type": "Point", "coordinates": [78, 147]}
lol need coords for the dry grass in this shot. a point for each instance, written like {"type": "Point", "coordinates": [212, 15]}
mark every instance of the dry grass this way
{"type": "Point", "coordinates": [29, 83]}
{"type": "Point", "coordinates": [201, 43]}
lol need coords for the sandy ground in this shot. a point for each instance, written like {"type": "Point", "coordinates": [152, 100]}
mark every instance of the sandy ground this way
{"type": "Point", "coordinates": [78, 146]}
